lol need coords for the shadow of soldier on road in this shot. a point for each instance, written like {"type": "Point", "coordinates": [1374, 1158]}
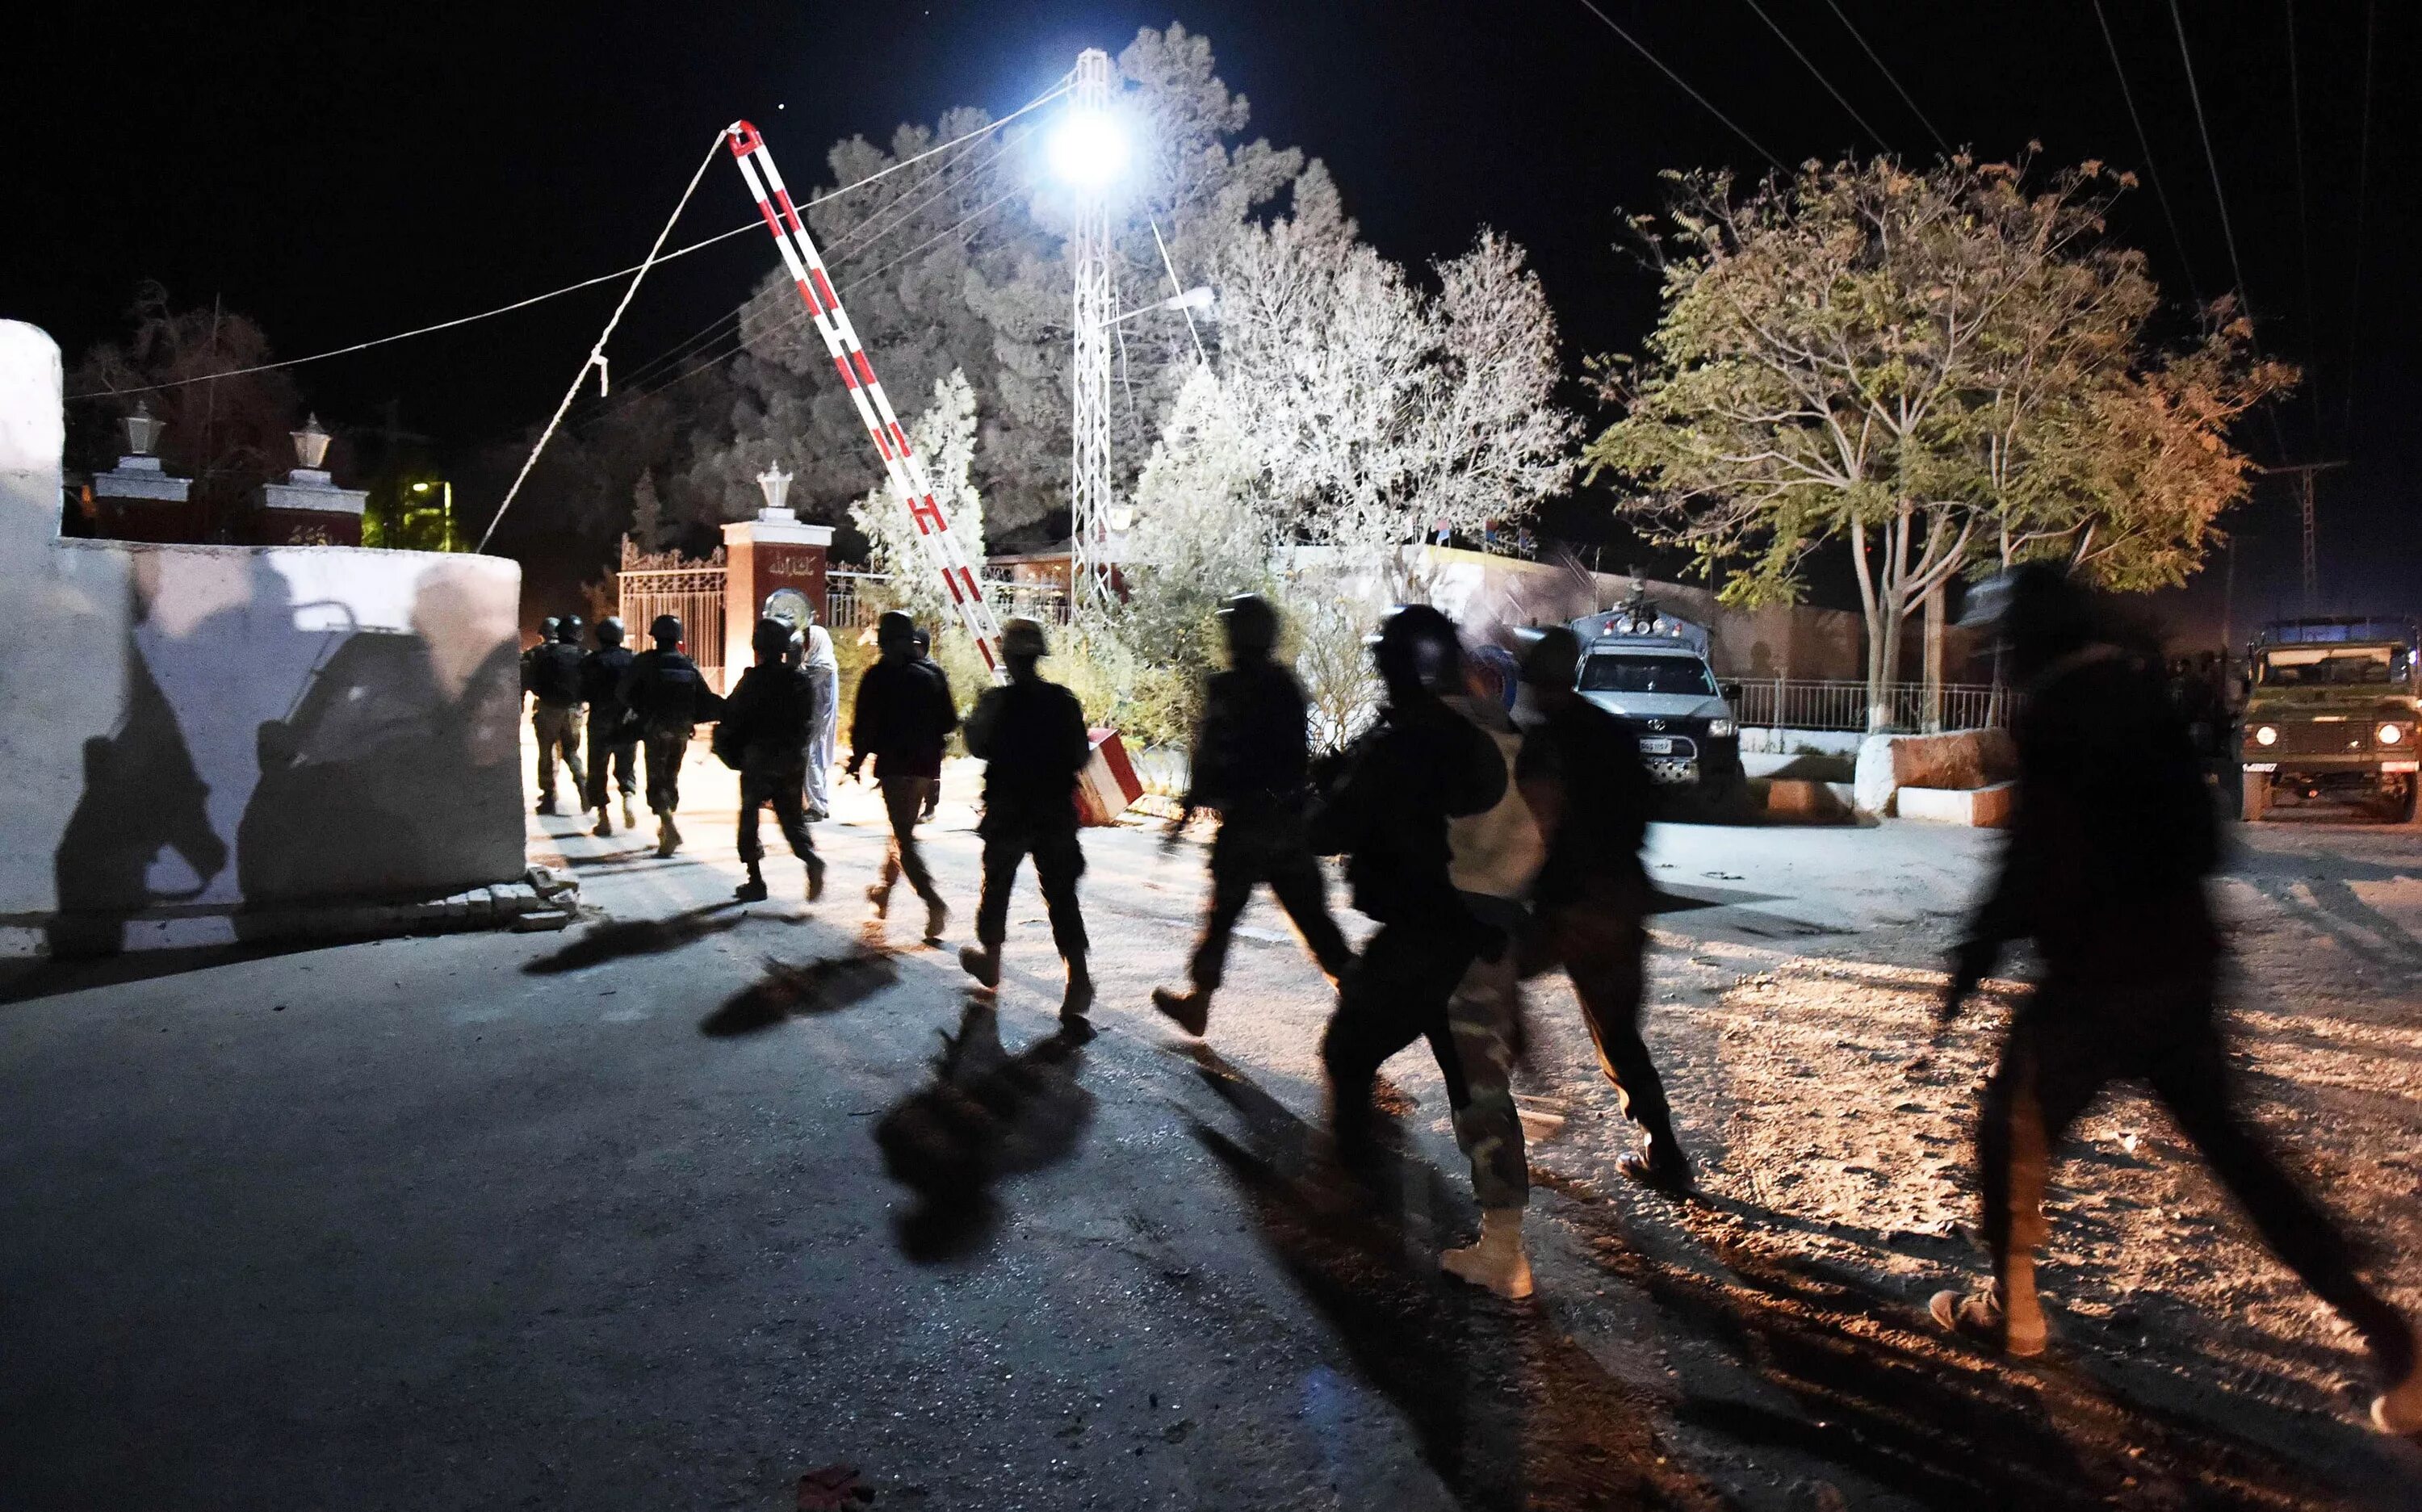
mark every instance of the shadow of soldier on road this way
{"type": "Point", "coordinates": [788, 991]}
{"type": "Point", "coordinates": [987, 1114]}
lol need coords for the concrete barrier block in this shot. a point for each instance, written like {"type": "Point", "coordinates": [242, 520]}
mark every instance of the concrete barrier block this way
{"type": "Point", "coordinates": [1982, 808]}
{"type": "Point", "coordinates": [1806, 798]}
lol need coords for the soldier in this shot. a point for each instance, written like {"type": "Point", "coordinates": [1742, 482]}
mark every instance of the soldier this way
{"type": "Point", "coordinates": [905, 712]}
{"type": "Point", "coordinates": [1031, 736]}
{"type": "Point", "coordinates": [551, 675]}
{"type": "Point", "coordinates": [2105, 870]}
{"type": "Point", "coordinates": [613, 736]}
{"type": "Point", "coordinates": [1581, 770]}
{"type": "Point", "coordinates": [1389, 810]}
{"type": "Point", "coordinates": [1250, 764]}
{"type": "Point", "coordinates": [669, 698]}
{"type": "Point", "coordinates": [823, 670]}
{"type": "Point", "coordinates": [768, 722]}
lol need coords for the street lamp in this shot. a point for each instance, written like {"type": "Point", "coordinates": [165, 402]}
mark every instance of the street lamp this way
{"type": "Point", "coordinates": [142, 429]}
{"type": "Point", "coordinates": [1199, 297]}
{"type": "Point", "coordinates": [775, 484]}
{"type": "Point", "coordinates": [1087, 149]}
{"type": "Point", "coordinates": [446, 512]}
{"type": "Point", "coordinates": [310, 444]}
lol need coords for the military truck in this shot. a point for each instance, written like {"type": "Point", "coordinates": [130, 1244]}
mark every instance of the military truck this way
{"type": "Point", "coordinates": [2331, 710]}
{"type": "Point", "coordinates": [1650, 669]}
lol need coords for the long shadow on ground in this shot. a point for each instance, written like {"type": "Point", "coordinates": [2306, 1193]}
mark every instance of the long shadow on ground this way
{"type": "Point", "coordinates": [600, 943]}
{"type": "Point", "coordinates": [788, 991]}
{"type": "Point", "coordinates": [985, 1116]}
{"type": "Point", "coordinates": [1509, 1411]}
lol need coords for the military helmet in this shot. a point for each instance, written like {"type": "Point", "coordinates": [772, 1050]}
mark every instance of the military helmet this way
{"type": "Point", "coordinates": [2035, 610]}
{"type": "Point", "coordinates": [772, 637]}
{"type": "Point", "coordinates": [569, 631]}
{"type": "Point", "coordinates": [664, 630]}
{"type": "Point", "coordinates": [1023, 639]}
{"type": "Point", "coordinates": [1551, 657]}
{"type": "Point", "coordinates": [609, 631]}
{"type": "Point", "coordinates": [547, 627]}
{"type": "Point", "coordinates": [923, 640]}
{"type": "Point", "coordinates": [894, 626]}
{"type": "Point", "coordinates": [1252, 624]}
{"type": "Point", "coordinates": [1417, 650]}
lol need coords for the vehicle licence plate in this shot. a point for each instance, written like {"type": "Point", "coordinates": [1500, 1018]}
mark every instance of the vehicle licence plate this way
{"type": "Point", "coordinates": [1657, 746]}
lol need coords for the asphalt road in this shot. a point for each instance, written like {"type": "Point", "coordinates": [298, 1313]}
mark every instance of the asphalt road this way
{"type": "Point", "coordinates": [600, 1219]}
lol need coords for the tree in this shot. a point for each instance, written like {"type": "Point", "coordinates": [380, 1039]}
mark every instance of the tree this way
{"type": "Point", "coordinates": [647, 513]}
{"type": "Point", "coordinates": [945, 437]}
{"type": "Point", "coordinates": [228, 435]}
{"type": "Point", "coordinates": [1919, 364]}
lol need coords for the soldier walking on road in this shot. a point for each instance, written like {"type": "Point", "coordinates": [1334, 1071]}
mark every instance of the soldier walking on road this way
{"type": "Point", "coordinates": [551, 675]}
{"type": "Point", "coordinates": [2104, 869]}
{"type": "Point", "coordinates": [1250, 764]}
{"type": "Point", "coordinates": [1031, 736]}
{"type": "Point", "coordinates": [1390, 811]}
{"type": "Point", "coordinates": [613, 736]}
{"type": "Point", "coordinates": [823, 670]}
{"type": "Point", "coordinates": [668, 696]}
{"type": "Point", "coordinates": [1581, 770]}
{"type": "Point", "coordinates": [905, 712]}
{"type": "Point", "coordinates": [768, 722]}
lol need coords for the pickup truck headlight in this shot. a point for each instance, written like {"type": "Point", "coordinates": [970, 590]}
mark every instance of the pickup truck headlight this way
{"type": "Point", "coordinates": [2266, 734]}
{"type": "Point", "coordinates": [2391, 734]}
{"type": "Point", "coordinates": [1719, 729]}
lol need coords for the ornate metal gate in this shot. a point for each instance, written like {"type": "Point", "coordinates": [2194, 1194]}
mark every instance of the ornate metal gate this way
{"type": "Point", "coordinates": [667, 583]}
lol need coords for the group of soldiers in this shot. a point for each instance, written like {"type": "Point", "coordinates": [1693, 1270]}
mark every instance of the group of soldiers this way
{"type": "Point", "coordinates": [1490, 821]}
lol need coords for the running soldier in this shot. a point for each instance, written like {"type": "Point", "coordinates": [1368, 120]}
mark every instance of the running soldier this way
{"type": "Point", "coordinates": [905, 712]}
{"type": "Point", "coordinates": [669, 698]}
{"type": "Point", "coordinates": [551, 675]}
{"type": "Point", "coordinates": [768, 722]}
{"type": "Point", "coordinates": [613, 737]}
{"type": "Point", "coordinates": [2105, 870]}
{"type": "Point", "coordinates": [1581, 772]}
{"type": "Point", "coordinates": [1250, 765]}
{"type": "Point", "coordinates": [1031, 736]}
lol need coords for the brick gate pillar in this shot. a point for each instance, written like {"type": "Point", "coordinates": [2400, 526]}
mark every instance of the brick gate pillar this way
{"type": "Point", "coordinates": [774, 554]}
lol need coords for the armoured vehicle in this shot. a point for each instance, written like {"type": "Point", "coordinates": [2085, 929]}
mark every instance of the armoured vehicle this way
{"type": "Point", "coordinates": [2330, 715]}
{"type": "Point", "coordinates": [1651, 670]}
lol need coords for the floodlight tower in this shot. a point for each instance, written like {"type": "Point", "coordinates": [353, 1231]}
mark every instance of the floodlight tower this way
{"type": "Point", "coordinates": [1088, 151]}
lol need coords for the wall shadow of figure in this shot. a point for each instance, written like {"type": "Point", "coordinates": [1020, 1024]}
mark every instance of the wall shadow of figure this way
{"type": "Point", "coordinates": [394, 771]}
{"type": "Point", "coordinates": [987, 1114]}
{"type": "Point", "coordinates": [142, 793]}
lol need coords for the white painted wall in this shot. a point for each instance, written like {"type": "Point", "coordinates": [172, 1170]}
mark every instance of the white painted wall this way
{"type": "Point", "coordinates": [189, 729]}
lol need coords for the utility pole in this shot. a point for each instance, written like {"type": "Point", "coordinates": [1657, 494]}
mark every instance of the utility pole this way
{"type": "Point", "coordinates": [2303, 472]}
{"type": "Point", "coordinates": [1089, 258]}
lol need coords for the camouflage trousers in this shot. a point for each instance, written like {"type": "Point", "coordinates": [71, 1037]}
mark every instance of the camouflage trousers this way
{"type": "Point", "coordinates": [1483, 1016]}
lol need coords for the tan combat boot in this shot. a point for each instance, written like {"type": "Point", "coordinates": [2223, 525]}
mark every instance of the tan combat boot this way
{"type": "Point", "coordinates": [1497, 1261]}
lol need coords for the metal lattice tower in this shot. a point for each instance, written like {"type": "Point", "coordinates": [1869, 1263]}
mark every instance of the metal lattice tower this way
{"type": "Point", "coordinates": [1089, 257]}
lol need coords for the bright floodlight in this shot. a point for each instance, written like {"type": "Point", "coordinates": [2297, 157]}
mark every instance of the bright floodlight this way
{"type": "Point", "coordinates": [1089, 149]}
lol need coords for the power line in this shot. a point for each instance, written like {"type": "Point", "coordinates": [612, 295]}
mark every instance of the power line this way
{"type": "Point", "coordinates": [2211, 161]}
{"type": "Point", "coordinates": [2145, 144]}
{"type": "Point", "coordinates": [1785, 39]}
{"type": "Point", "coordinates": [1035, 103]}
{"type": "Point", "coordinates": [1011, 192]}
{"type": "Point", "coordinates": [2303, 221]}
{"type": "Point", "coordinates": [2361, 181]}
{"type": "Point", "coordinates": [1939, 139]}
{"type": "Point", "coordinates": [1590, 6]}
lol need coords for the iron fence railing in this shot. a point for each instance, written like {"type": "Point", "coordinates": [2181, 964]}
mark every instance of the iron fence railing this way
{"type": "Point", "coordinates": [853, 600]}
{"type": "Point", "coordinates": [1789, 704]}
{"type": "Point", "coordinates": [694, 595]}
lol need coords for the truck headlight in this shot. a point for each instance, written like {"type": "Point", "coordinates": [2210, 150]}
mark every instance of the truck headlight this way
{"type": "Point", "coordinates": [2266, 734]}
{"type": "Point", "coordinates": [2391, 734]}
{"type": "Point", "coordinates": [1719, 729]}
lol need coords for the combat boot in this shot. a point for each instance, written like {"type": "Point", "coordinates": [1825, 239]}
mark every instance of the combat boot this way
{"type": "Point", "coordinates": [752, 890]}
{"type": "Point", "coordinates": [2398, 1409]}
{"type": "Point", "coordinates": [1495, 1261]}
{"type": "Point", "coordinates": [815, 880]}
{"type": "Point", "coordinates": [546, 805]}
{"type": "Point", "coordinates": [605, 829]}
{"type": "Point", "coordinates": [878, 898]}
{"type": "Point", "coordinates": [982, 962]}
{"type": "Point", "coordinates": [937, 917]}
{"type": "Point", "coordinates": [630, 814]}
{"type": "Point", "coordinates": [1980, 1317]}
{"type": "Point", "coordinates": [1079, 998]}
{"type": "Point", "coordinates": [1188, 1008]}
{"type": "Point", "coordinates": [667, 835]}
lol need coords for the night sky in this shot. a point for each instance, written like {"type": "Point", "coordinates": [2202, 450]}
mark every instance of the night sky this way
{"type": "Point", "coordinates": [342, 172]}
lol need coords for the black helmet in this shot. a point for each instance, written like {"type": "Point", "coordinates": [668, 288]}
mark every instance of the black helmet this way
{"type": "Point", "coordinates": [569, 631]}
{"type": "Point", "coordinates": [1418, 653]}
{"type": "Point", "coordinates": [894, 628]}
{"type": "Point", "coordinates": [1023, 639]}
{"type": "Point", "coordinates": [666, 630]}
{"type": "Point", "coordinates": [609, 631]}
{"type": "Point", "coordinates": [772, 637]}
{"type": "Point", "coordinates": [922, 640]}
{"type": "Point", "coordinates": [2037, 612]}
{"type": "Point", "coordinates": [1252, 624]}
{"type": "Point", "coordinates": [547, 627]}
{"type": "Point", "coordinates": [1551, 657]}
